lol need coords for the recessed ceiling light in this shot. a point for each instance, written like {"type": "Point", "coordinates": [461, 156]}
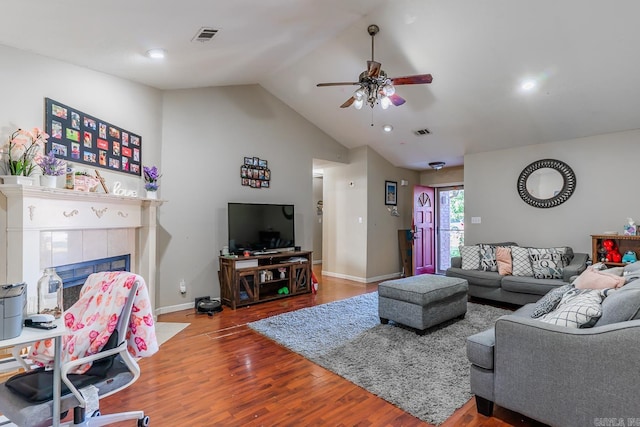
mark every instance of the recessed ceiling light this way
{"type": "Point", "coordinates": [156, 53]}
{"type": "Point", "coordinates": [387, 128]}
{"type": "Point", "coordinates": [528, 85]}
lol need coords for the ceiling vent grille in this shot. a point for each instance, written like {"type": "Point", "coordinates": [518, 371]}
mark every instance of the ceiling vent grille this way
{"type": "Point", "coordinates": [422, 132]}
{"type": "Point", "coordinates": [204, 34]}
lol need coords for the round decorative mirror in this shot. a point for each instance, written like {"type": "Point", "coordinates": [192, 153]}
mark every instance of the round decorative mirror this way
{"type": "Point", "coordinates": [546, 183]}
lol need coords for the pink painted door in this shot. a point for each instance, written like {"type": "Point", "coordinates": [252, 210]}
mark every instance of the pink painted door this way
{"type": "Point", "coordinates": [424, 257]}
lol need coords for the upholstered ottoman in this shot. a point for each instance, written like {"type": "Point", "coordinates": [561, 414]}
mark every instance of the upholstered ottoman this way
{"type": "Point", "coordinates": [422, 301]}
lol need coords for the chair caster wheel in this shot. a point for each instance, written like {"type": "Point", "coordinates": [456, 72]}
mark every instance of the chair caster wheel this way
{"type": "Point", "coordinates": [144, 421]}
{"type": "Point", "coordinates": [96, 414]}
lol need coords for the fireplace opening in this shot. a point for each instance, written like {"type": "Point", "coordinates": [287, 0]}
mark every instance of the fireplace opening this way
{"type": "Point", "coordinates": [74, 275]}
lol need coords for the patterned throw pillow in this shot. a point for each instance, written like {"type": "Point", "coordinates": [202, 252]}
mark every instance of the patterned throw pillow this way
{"type": "Point", "coordinates": [579, 308]}
{"type": "Point", "coordinates": [470, 257]}
{"type": "Point", "coordinates": [488, 258]}
{"type": "Point", "coordinates": [547, 263]}
{"type": "Point", "coordinates": [550, 301]}
{"type": "Point", "coordinates": [521, 261]}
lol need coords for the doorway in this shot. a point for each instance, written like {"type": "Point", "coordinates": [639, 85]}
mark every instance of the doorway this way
{"type": "Point", "coordinates": [450, 236]}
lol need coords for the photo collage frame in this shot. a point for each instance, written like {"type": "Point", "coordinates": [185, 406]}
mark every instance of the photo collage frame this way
{"type": "Point", "coordinates": [82, 138]}
{"type": "Point", "coordinates": [255, 173]}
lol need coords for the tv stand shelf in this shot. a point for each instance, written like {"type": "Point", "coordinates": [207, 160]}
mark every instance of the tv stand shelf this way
{"type": "Point", "coordinates": [252, 279]}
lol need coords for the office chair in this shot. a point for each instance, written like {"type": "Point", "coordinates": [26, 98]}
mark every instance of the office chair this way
{"type": "Point", "coordinates": [26, 398]}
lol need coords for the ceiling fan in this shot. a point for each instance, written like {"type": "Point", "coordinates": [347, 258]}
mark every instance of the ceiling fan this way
{"type": "Point", "coordinates": [374, 84]}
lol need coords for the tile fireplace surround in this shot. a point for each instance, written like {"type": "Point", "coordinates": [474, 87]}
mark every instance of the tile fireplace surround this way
{"type": "Point", "coordinates": [42, 227]}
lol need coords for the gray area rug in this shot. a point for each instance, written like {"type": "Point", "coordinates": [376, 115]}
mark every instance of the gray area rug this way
{"type": "Point", "coordinates": [426, 376]}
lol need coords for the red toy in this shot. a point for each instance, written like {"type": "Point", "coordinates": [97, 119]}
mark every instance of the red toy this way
{"type": "Point", "coordinates": [613, 254]}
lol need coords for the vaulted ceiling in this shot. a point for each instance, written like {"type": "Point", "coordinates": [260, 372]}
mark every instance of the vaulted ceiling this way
{"type": "Point", "coordinates": [581, 54]}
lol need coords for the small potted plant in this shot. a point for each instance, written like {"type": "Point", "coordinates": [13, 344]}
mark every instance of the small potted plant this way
{"type": "Point", "coordinates": [151, 177]}
{"type": "Point", "coordinates": [20, 153]}
{"type": "Point", "coordinates": [52, 168]}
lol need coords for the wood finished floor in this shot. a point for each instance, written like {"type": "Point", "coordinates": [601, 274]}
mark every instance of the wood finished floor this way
{"type": "Point", "coordinates": [218, 372]}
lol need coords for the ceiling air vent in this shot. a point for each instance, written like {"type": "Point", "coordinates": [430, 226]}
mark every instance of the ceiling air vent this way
{"type": "Point", "coordinates": [421, 132]}
{"type": "Point", "coordinates": [204, 34]}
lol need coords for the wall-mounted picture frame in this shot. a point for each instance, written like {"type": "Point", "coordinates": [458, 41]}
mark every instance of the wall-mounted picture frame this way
{"type": "Point", "coordinates": [391, 193]}
{"type": "Point", "coordinates": [254, 173]}
{"type": "Point", "coordinates": [82, 138]}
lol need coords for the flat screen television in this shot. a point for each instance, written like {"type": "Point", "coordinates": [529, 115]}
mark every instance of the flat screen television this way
{"type": "Point", "coordinates": [260, 227]}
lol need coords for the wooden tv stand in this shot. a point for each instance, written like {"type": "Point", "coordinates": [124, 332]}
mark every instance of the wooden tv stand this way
{"type": "Point", "coordinates": [240, 277]}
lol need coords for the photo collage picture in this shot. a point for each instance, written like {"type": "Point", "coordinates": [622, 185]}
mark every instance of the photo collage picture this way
{"type": "Point", "coordinates": [254, 173]}
{"type": "Point", "coordinates": [81, 138]}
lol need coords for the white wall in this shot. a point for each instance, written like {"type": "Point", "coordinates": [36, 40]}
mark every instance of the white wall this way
{"type": "Point", "coordinates": [198, 139]}
{"type": "Point", "coordinates": [26, 79]}
{"type": "Point", "coordinates": [206, 135]}
{"type": "Point", "coordinates": [364, 251]}
{"type": "Point", "coordinates": [606, 172]}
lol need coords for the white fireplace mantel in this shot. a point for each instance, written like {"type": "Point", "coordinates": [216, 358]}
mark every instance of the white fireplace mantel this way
{"type": "Point", "coordinates": [28, 211]}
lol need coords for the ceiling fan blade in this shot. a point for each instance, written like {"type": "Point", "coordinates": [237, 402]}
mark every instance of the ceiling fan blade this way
{"type": "Point", "coordinates": [337, 84]}
{"type": "Point", "coordinates": [373, 68]}
{"type": "Point", "coordinates": [396, 100]}
{"type": "Point", "coordinates": [412, 80]}
{"type": "Point", "coordinates": [348, 102]}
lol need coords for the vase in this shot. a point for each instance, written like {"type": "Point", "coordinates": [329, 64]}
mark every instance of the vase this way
{"type": "Point", "coordinates": [152, 194]}
{"type": "Point", "coordinates": [50, 293]}
{"type": "Point", "coordinates": [49, 181]}
{"type": "Point", "coordinates": [19, 179]}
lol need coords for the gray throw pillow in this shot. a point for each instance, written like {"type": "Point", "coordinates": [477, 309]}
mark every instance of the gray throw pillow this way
{"type": "Point", "coordinates": [550, 301]}
{"type": "Point", "coordinates": [621, 305]}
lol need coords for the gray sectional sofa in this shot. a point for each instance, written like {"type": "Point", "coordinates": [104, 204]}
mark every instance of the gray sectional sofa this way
{"type": "Point", "coordinates": [558, 375]}
{"type": "Point", "coordinates": [514, 289]}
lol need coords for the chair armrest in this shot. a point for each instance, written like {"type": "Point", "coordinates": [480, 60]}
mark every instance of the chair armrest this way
{"type": "Point", "coordinates": [456, 262]}
{"type": "Point", "coordinates": [538, 365]}
{"type": "Point", "coordinates": [577, 265]}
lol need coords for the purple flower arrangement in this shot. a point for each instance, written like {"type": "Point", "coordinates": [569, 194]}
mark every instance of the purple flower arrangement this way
{"type": "Point", "coordinates": [151, 176]}
{"type": "Point", "coordinates": [51, 165]}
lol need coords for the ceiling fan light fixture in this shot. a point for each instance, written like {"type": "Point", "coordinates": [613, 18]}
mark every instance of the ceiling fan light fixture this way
{"type": "Point", "coordinates": [388, 90]}
{"type": "Point", "coordinates": [437, 165]}
{"type": "Point", "coordinates": [385, 102]}
{"type": "Point", "coordinates": [357, 104]}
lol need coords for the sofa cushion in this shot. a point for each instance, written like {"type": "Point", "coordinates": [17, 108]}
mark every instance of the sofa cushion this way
{"type": "Point", "coordinates": [521, 261]}
{"type": "Point", "coordinates": [547, 263]}
{"type": "Point", "coordinates": [470, 257]}
{"type": "Point", "coordinates": [578, 308]}
{"type": "Point", "coordinates": [503, 260]}
{"type": "Point", "coordinates": [550, 301]}
{"type": "Point", "coordinates": [594, 279]}
{"type": "Point", "coordinates": [621, 305]}
{"type": "Point", "coordinates": [488, 279]}
{"type": "Point", "coordinates": [488, 257]}
{"type": "Point", "coordinates": [529, 285]}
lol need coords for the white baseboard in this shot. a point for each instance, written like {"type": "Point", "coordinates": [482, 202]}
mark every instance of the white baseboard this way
{"type": "Point", "coordinates": [172, 308]}
{"type": "Point", "coordinates": [362, 279]}
{"type": "Point", "coordinates": [317, 261]}
{"type": "Point", "coordinates": [178, 307]}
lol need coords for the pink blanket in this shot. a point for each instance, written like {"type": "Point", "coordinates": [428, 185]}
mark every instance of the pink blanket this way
{"type": "Point", "coordinates": [92, 319]}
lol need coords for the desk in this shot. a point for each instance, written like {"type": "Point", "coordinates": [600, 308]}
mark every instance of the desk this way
{"type": "Point", "coordinates": [30, 335]}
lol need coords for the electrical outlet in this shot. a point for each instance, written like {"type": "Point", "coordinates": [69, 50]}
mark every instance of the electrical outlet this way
{"type": "Point", "coordinates": [183, 287]}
